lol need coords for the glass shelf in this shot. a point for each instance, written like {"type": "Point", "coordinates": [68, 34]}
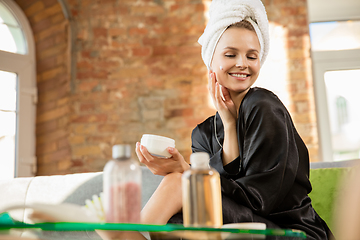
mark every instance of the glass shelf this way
{"type": "Point", "coordinates": [6, 223]}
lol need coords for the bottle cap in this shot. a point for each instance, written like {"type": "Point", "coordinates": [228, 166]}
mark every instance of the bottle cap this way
{"type": "Point", "coordinates": [199, 160]}
{"type": "Point", "coordinates": [121, 151]}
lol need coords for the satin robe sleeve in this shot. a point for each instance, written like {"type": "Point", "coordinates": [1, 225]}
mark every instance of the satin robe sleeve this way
{"type": "Point", "coordinates": [265, 171]}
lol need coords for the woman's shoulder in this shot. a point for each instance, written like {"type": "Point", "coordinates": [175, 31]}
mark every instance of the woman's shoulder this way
{"type": "Point", "coordinates": [201, 136]}
{"type": "Point", "coordinates": [206, 125]}
{"type": "Point", "coordinates": [258, 94]}
{"type": "Point", "coordinates": [261, 97]}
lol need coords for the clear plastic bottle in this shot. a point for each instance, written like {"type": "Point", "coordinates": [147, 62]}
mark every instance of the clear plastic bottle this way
{"type": "Point", "coordinates": [122, 187]}
{"type": "Point", "coordinates": [201, 192]}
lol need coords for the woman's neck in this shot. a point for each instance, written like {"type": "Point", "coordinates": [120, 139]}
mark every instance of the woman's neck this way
{"type": "Point", "coordinates": [237, 97]}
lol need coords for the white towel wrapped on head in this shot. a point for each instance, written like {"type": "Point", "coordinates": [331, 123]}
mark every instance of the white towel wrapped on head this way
{"type": "Point", "coordinates": [224, 13]}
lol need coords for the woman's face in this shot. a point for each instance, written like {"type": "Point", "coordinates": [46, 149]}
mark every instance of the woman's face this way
{"type": "Point", "coordinates": [236, 60]}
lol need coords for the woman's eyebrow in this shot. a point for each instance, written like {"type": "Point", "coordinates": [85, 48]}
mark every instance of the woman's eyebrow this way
{"type": "Point", "coordinates": [231, 48]}
{"type": "Point", "coordinates": [235, 49]}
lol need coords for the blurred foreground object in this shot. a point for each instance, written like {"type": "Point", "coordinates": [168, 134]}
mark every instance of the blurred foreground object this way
{"type": "Point", "coordinates": [347, 212]}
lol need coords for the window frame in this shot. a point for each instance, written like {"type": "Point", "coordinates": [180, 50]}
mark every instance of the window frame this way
{"type": "Point", "coordinates": [25, 68]}
{"type": "Point", "coordinates": [324, 61]}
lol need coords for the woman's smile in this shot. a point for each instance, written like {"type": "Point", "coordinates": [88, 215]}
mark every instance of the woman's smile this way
{"type": "Point", "coordinates": [239, 76]}
{"type": "Point", "coordinates": [236, 60]}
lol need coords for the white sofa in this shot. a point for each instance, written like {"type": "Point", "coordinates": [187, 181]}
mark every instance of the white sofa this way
{"type": "Point", "coordinates": [70, 188]}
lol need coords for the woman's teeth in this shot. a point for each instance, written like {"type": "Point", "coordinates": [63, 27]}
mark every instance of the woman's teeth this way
{"type": "Point", "coordinates": [239, 75]}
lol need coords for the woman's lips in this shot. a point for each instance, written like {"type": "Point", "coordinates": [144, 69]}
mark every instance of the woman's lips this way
{"type": "Point", "coordinates": [239, 75]}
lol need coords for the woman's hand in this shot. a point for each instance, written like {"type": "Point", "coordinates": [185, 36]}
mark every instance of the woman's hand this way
{"type": "Point", "coordinates": [225, 106]}
{"type": "Point", "coordinates": [162, 166]}
{"type": "Point", "coordinates": [228, 113]}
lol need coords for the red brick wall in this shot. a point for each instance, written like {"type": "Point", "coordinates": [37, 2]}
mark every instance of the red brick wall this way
{"type": "Point", "coordinates": [292, 15]}
{"type": "Point", "coordinates": [138, 69]}
{"type": "Point", "coordinates": [50, 29]}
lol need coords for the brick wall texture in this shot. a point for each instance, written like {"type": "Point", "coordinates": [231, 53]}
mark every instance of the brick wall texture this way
{"type": "Point", "coordinates": [109, 71]}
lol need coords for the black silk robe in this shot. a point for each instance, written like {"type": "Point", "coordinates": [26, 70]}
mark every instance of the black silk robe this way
{"type": "Point", "coordinates": [269, 181]}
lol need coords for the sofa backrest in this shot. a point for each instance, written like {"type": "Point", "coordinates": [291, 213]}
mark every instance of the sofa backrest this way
{"type": "Point", "coordinates": [95, 186]}
{"type": "Point", "coordinates": [56, 189]}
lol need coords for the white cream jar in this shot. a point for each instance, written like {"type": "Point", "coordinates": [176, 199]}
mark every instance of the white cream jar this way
{"type": "Point", "coordinates": [156, 145]}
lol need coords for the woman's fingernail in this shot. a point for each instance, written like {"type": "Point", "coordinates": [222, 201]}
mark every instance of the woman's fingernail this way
{"type": "Point", "coordinates": [221, 68]}
{"type": "Point", "coordinates": [171, 149]}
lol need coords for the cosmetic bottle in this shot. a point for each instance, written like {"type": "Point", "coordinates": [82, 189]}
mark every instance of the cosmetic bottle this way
{"type": "Point", "coordinates": [122, 187]}
{"type": "Point", "coordinates": [201, 192]}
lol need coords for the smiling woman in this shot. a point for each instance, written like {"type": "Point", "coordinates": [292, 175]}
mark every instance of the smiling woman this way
{"type": "Point", "coordinates": [251, 140]}
{"type": "Point", "coordinates": [236, 60]}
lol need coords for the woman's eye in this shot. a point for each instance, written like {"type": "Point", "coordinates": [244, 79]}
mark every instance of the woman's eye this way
{"type": "Point", "coordinates": [230, 55]}
{"type": "Point", "coordinates": [252, 57]}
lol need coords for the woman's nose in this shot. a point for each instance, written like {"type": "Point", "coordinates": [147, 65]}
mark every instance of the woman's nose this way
{"type": "Point", "coordinates": [241, 62]}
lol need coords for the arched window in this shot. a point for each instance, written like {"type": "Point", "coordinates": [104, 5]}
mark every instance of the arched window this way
{"type": "Point", "coordinates": [18, 93]}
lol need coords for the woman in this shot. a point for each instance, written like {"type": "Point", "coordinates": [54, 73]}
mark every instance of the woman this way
{"type": "Point", "coordinates": [252, 142]}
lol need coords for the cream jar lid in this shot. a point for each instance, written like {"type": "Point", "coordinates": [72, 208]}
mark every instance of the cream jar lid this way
{"type": "Point", "coordinates": [157, 145]}
{"type": "Point", "coordinates": [158, 138]}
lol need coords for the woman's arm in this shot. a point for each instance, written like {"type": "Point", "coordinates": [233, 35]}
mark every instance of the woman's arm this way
{"type": "Point", "coordinates": [204, 140]}
{"type": "Point", "coordinates": [230, 144]}
{"type": "Point", "coordinates": [228, 113]}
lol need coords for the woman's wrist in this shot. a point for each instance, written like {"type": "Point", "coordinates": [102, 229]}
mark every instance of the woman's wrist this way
{"type": "Point", "coordinates": [230, 144]}
{"type": "Point", "coordinates": [229, 126]}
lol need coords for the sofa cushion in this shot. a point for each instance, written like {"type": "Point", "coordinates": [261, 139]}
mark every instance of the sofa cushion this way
{"type": "Point", "coordinates": [94, 185]}
{"type": "Point", "coordinates": [13, 192]}
{"type": "Point", "coordinates": [326, 184]}
{"type": "Point", "coordinates": [57, 188]}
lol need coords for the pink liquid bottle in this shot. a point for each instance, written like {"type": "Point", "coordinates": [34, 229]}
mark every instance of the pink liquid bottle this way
{"type": "Point", "coordinates": [122, 187]}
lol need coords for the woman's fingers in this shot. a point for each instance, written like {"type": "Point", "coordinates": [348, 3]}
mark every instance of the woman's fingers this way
{"type": "Point", "coordinates": [229, 102]}
{"type": "Point", "coordinates": [218, 93]}
{"type": "Point", "coordinates": [139, 154]}
{"type": "Point", "coordinates": [180, 164]}
{"type": "Point", "coordinates": [226, 94]}
{"type": "Point", "coordinates": [224, 104]}
{"type": "Point", "coordinates": [146, 154]}
{"type": "Point", "coordinates": [213, 87]}
{"type": "Point", "coordinates": [161, 166]}
{"type": "Point", "coordinates": [174, 153]}
{"type": "Point", "coordinates": [218, 98]}
{"type": "Point", "coordinates": [154, 164]}
{"type": "Point", "coordinates": [212, 84]}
